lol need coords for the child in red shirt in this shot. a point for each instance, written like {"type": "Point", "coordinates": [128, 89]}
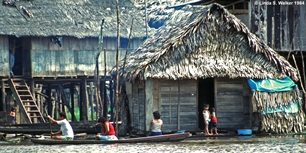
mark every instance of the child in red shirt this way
{"type": "Point", "coordinates": [213, 121]}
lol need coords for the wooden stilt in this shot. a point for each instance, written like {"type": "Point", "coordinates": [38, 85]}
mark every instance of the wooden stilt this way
{"type": "Point", "coordinates": [3, 96]}
{"type": "Point", "coordinates": [81, 97]}
{"type": "Point", "coordinates": [72, 101]}
{"type": "Point", "coordinates": [91, 97]}
{"type": "Point", "coordinates": [84, 99]}
{"type": "Point", "coordinates": [49, 94]}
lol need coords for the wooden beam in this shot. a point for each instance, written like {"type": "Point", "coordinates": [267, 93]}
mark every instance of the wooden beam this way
{"type": "Point", "coordinates": [239, 11]}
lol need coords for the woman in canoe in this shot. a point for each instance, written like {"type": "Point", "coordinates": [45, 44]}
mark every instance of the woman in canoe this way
{"type": "Point", "coordinates": [108, 131]}
{"type": "Point", "coordinates": [156, 124]}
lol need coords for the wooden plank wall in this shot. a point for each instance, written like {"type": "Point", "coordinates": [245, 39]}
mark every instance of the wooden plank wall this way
{"type": "Point", "coordinates": [232, 103]}
{"type": "Point", "coordinates": [279, 25]}
{"type": "Point", "coordinates": [138, 106]}
{"type": "Point", "coordinates": [4, 56]}
{"type": "Point", "coordinates": [76, 57]}
{"type": "Point", "coordinates": [178, 104]}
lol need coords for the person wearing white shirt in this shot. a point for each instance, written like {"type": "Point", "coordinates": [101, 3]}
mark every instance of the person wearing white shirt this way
{"type": "Point", "coordinates": [66, 130]}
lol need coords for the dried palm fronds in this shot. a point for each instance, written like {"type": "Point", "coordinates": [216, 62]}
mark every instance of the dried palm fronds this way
{"type": "Point", "coordinates": [279, 122]}
{"type": "Point", "coordinates": [207, 41]}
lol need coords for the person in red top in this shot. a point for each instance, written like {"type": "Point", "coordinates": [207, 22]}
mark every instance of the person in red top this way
{"type": "Point", "coordinates": [108, 131]}
{"type": "Point", "coordinates": [213, 121]}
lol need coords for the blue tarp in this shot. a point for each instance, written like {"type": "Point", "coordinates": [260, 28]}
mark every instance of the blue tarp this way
{"type": "Point", "coordinates": [272, 85]}
{"type": "Point", "coordinates": [291, 108]}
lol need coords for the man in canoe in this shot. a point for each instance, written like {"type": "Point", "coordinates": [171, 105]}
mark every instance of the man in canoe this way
{"type": "Point", "coordinates": [107, 129]}
{"type": "Point", "coordinates": [66, 130]}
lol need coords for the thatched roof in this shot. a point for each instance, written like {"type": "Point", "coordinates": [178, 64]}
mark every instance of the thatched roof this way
{"type": "Point", "coordinates": [77, 18]}
{"type": "Point", "coordinates": [202, 42]}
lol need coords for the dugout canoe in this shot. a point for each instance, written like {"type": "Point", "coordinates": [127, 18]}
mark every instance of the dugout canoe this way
{"type": "Point", "coordinates": [89, 127]}
{"type": "Point", "coordinates": [162, 138]}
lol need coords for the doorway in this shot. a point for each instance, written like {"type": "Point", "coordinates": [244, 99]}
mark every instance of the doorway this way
{"type": "Point", "coordinates": [206, 95]}
{"type": "Point", "coordinates": [15, 49]}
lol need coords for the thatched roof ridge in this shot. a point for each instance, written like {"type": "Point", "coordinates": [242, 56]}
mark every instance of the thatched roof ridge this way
{"type": "Point", "coordinates": [201, 42]}
{"type": "Point", "coordinates": [77, 18]}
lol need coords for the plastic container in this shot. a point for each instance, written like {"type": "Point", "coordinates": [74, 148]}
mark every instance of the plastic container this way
{"type": "Point", "coordinates": [244, 131]}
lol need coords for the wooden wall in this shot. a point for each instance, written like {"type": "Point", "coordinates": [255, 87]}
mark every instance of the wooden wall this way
{"type": "Point", "coordinates": [4, 56]}
{"type": "Point", "coordinates": [279, 25]}
{"type": "Point", "coordinates": [175, 100]}
{"type": "Point", "coordinates": [178, 104]}
{"type": "Point", "coordinates": [136, 97]}
{"type": "Point", "coordinates": [232, 103]}
{"type": "Point", "coordinates": [76, 57]}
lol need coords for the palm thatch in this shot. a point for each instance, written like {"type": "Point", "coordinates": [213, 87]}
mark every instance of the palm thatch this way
{"type": "Point", "coordinates": [279, 121]}
{"type": "Point", "coordinates": [77, 18]}
{"type": "Point", "coordinates": [202, 42]}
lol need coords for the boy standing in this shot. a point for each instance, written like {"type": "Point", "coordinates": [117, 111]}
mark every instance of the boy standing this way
{"type": "Point", "coordinates": [206, 118]}
{"type": "Point", "coordinates": [213, 122]}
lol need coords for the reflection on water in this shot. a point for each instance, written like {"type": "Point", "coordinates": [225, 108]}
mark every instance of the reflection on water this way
{"type": "Point", "coordinates": [221, 145]}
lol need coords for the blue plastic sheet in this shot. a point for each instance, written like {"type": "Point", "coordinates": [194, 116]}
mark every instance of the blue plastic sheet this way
{"type": "Point", "coordinates": [291, 108]}
{"type": "Point", "coordinates": [271, 85]}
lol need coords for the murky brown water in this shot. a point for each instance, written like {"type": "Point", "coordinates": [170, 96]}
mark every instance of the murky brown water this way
{"type": "Point", "coordinates": [288, 144]}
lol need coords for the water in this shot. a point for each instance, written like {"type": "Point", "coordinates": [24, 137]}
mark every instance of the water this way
{"type": "Point", "coordinates": [292, 144]}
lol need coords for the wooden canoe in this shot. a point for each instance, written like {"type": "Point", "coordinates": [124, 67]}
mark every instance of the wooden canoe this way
{"type": "Point", "coordinates": [76, 136]}
{"type": "Point", "coordinates": [161, 138]}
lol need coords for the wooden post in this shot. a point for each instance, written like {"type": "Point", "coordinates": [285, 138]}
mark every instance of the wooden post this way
{"type": "Point", "coordinates": [299, 75]}
{"type": "Point", "coordinates": [80, 102]}
{"type": "Point", "coordinates": [97, 76]}
{"type": "Point", "coordinates": [49, 94]}
{"type": "Point", "coordinates": [111, 98]}
{"type": "Point", "coordinates": [104, 86]}
{"type": "Point", "coordinates": [54, 105]}
{"type": "Point", "coordinates": [117, 65]}
{"type": "Point", "coordinates": [103, 94]}
{"type": "Point", "coordinates": [59, 99]}
{"type": "Point", "coordinates": [37, 97]}
{"type": "Point", "coordinates": [72, 101]}
{"type": "Point", "coordinates": [32, 88]}
{"type": "Point", "coordinates": [84, 99]}
{"type": "Point", "coordinates": [91, 97]}
{"type": "Point", "coordinates": [3, 95]}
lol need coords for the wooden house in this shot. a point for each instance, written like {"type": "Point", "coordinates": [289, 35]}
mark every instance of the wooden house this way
{"type": "Point", "coordinates": [57, 42]}
{"type": "Point", "coordinates": [203, 54]}
{"type": "Point", "coordinates": [281, 25]}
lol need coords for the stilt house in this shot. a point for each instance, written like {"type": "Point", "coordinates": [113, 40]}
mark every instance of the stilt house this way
{"type": "Point", "coordinates": [57, 42]}
{"type": "Point", "coordinates": [202, 55]}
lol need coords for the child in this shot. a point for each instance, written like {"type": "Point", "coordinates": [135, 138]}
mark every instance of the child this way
{"type": "Point", "coordinates": [213, 122]}
{"type": "Point", "coordinates": [156, 124]}
{"type": "Point", "coordinates": [206, 118]}
{"type": "Point", "coordinates": [13, 116]}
